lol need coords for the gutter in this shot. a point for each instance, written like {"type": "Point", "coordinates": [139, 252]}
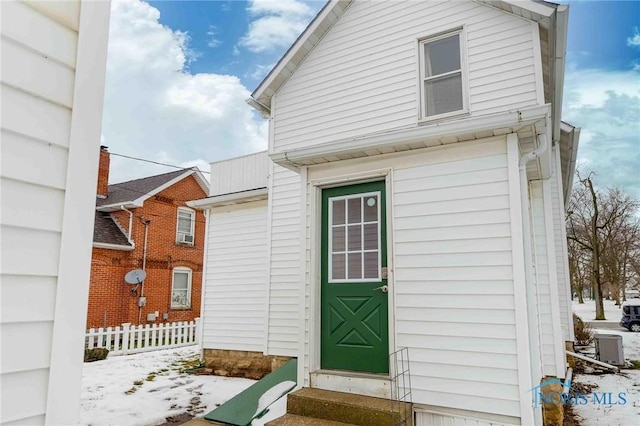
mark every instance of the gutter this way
{"type": "Point", "coordinates": [414, 134]}
{"type": "Point", "coordinates": [109, 246]}
{"type": "Point", "coordinates": [229, 199]}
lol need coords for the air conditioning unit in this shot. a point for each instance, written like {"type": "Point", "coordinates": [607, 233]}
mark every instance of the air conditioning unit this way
{"type": "Point", "coordinates": [185, 238]}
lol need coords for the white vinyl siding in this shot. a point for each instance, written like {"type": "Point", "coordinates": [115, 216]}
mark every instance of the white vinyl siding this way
{"type": "Point", "coordinates": [36, 122]}
{"type": "Point", "coordinates": [47, 124]}
{"type": "Point", "coordinates": [562, 261]}
{"type": "Point", "coordinates": [542, 280]}
{"type": "Point", "coordinates": [452, 278]}
{"type": "Point", "coordinates": [284, 268]}
{"type": "Point", "coordinates": [429, 418]}
{"type": "Point", "coordinates": [240, 174]}
{"type": "Point", "coordinates": [454, 283]}
{"type": "Point", "coordinates": [355, 83]}
{"type": "Point", "coordinates": [236, 280]}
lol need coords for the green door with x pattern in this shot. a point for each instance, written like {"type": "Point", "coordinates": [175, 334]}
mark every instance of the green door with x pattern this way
{"type": "Point", "coordinates": [354, 299]}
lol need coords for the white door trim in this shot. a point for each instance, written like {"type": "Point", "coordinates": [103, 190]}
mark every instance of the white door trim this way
{"type": "Point", "coordinates": [314, 235]}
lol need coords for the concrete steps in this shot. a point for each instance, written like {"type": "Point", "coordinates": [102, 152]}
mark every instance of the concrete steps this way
{"type": "Point", "coordinates": [336, 408]}
{"type": "Point", "coordinates": [295, 420]}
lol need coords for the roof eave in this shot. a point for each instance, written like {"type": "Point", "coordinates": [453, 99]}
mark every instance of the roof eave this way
{"type": "Point", "coordinates": [241, 197]}
{"type": "Point", "coordinates": [110, 246]}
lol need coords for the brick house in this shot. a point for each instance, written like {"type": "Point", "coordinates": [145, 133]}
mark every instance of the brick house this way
{"type": "Point", "coordinates": [151, 210]}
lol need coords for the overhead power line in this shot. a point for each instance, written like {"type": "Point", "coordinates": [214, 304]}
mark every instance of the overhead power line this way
{"type": "Point", "coordinates": [157, 162]}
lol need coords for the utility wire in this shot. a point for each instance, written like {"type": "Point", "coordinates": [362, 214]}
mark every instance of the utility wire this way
{"type": "Point", "coordinates": [157, 162]}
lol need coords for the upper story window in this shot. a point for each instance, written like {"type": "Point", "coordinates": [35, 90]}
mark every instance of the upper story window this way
{"type": "Point", "coordinates": [442, 86]}
{"type": "Point", "coordinates": [186, 226]}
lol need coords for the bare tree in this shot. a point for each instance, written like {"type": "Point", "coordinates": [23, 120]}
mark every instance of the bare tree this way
{"type": "Point", "coordinates": [602, 231]}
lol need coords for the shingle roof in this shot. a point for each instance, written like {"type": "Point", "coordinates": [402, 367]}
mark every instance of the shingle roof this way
{"type": "Point", "coordinates": [106, 231]}
{"type": "Point", "coordinates": [133, 189]}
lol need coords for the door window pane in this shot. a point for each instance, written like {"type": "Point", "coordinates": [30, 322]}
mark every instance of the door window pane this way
{"type": "Point", "coordinates": [355, 237]}
{"type": "Point", "coordinates": [371, 267]}
{"type": "Point", "coordinates": [338, 266]}
{"type": "Point", "coordinates": [355, 266]}
{"type": "Point", "coordinates": [338, 207]}
{"type": "Point", "coordinates": [355, 210]}
{"type": "Point", "coordinates": [371, 208]}
{"type": "Point", "coordinates": [338, 239]}
{"type": "Point", "coordinates": [370, 237]}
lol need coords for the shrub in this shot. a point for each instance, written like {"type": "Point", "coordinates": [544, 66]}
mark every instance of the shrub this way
{"type": "Point", "coordinates": [582, 331]}
{"type": "Point", "coordinates": [96, 354]}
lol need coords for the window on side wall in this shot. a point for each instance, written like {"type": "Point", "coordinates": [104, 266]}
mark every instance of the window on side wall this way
{"type": "Point", "coordinates": [442, 86]}
{"type": "Point", "coordinates": [186, 225]}
{"type": "Point", "coordinates": [181, 288]}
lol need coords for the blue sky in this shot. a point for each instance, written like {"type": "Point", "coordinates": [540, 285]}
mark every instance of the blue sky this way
{"type": "Point", "coordinates": [179, 71]}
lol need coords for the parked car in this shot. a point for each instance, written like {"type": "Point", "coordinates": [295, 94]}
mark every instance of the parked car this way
{"type": "Point", "coordinates": [631, 315]}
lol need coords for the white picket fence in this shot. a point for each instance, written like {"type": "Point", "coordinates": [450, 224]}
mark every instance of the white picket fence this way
{"type": "Point", "coordinates": [130, 339]}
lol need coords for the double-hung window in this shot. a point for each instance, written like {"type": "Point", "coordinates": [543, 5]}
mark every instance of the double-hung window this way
{"type": "Point", "coordinates": [181, 288]}
{"type": "Point", "coordinates": [441, 75]}
{"type": "Point", "coordinates": [186, 225]}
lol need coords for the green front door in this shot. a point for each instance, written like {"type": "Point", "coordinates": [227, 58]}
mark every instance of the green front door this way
{"type": "Point", "coordinates": [354, 299]}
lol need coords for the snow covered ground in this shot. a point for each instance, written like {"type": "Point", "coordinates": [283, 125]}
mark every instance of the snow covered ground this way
{"type": "Point", "coordinates": [626, 382]}
{"type": "Point", "coordinates": [144, 389]}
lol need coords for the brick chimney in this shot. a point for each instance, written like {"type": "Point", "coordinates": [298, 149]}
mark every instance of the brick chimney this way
{"type": "Point", "coordinates": [103, 172]}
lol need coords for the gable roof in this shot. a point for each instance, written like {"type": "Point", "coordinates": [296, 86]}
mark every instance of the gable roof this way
{"type": "Point", "coordinates": [551, 18]}
{"type": "Point", "coordinates": [107, 233]}
{"type": "Point", "coordinates": [135, 192]}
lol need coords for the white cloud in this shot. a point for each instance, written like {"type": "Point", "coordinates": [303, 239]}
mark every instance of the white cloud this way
{"type": "Point", "coordinates": [277, 24]}
{"type": "Point", "coordinates": [635, 39]}
{"type": "Point", "coordinates": [213, 40]}
{"type": "Point", "coordinates": [606, 105]}
{"type": "Point", "coordinates": [261, 71]}
{"type": "Point", "coordinates": [156, 110]}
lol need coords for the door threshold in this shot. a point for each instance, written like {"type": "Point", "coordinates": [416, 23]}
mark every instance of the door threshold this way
{"type": "Point", "coordinates": [368, 384]}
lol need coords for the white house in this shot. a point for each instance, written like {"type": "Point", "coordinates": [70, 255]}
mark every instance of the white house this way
{"type": "Point", "coordinates": [415, 198]}
{"type": "Point", "coordinates": [52, 83]}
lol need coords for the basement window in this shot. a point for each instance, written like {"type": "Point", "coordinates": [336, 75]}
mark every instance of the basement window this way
{"type": "Point", "coordinates": [442, 86]}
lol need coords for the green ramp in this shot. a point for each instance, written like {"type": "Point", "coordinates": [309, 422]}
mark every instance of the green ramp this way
{"type": "Point", "coordinates": [246, 406]}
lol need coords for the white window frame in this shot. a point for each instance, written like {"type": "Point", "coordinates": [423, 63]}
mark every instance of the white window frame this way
{"type": "Point", "coordinates": [181, 270]}
{"type": "Point", "coordinates": [422, 115]}
{"type": "Point", "coordinates": [330, 279]}
{"type": "Point", "coordinates": [192, 213]}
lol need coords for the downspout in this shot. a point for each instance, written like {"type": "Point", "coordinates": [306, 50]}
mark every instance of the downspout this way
{"type": "Point", "coordinates": [144, 265]}
{"type": "Point", "coordinates": [532, 298]}
{"type": "Point", "coordinates": [130, 223]}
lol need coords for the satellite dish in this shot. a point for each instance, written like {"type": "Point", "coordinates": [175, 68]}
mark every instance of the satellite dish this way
{"type": "Point", "coordinates": [135, 277]}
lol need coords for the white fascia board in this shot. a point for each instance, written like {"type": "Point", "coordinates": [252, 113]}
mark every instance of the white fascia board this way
{"type": "Point", "coordinates": [465, 125]}
{"type": "Point", "coordinates": [113, 246]}
{"type": "Point", "coordinates": [230, 199]}
{"type": "Point", "coordinates": [331, 12]}
{"type": "Point", "coordinates": [562, 21]}
{"type": "Point", "coordinates": [108, 208]}
{"type": "Point", "coordinates": [531, 6]}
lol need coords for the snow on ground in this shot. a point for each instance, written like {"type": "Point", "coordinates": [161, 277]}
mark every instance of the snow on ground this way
{"type": "Point", "coordinates": [144, 389]}
{"type": "Point", "coordinates": [587, 310]}
{"type": "Point", "coordinates": [627, 382]}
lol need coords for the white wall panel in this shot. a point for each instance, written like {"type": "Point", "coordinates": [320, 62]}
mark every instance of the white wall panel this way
{"type": "Point", "coordinates": [355, 82]}
{"type": "Point", "coordinates": [236, 281]}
